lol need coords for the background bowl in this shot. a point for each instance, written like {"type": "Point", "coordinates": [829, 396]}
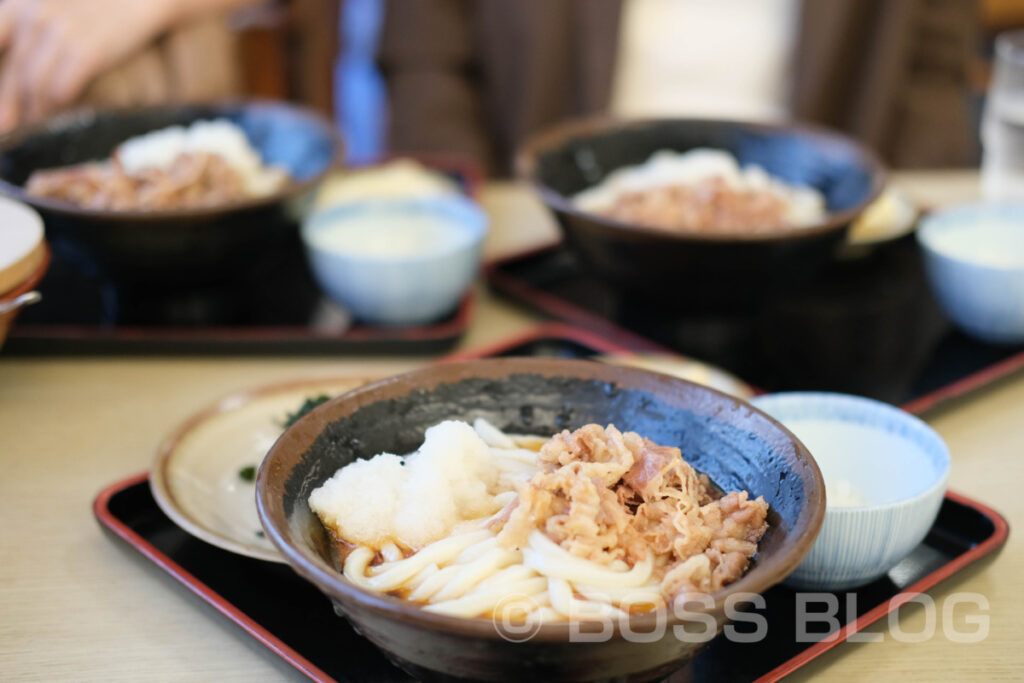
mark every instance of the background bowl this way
{"type": "Point", "coordinates": [184, 246]}
{"type": "Point", "coordinates": [399, 289]}
{"type": "Point", "coordinates": [974, 256]}
{"type": "Point", "coordinates": [736, 445]}
{"type": "Point", "coordinates": [701, 269]}
{"type": "Point", "coordinates": [893, 460]}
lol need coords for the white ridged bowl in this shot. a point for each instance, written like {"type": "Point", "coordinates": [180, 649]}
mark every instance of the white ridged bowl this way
{"type": "Point", "coordinates": [403, 288]}
{"type": "Point", "coordinates": [897, 463]}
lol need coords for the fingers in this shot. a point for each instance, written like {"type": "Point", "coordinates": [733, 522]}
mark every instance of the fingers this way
{"type": "Point", "coordinates": [8, 101]}
{"type": "Point", "coordinates": [10, 90]}
{"type": "Point", "coordinates": [46, 65]}
{"type": "Point", "coordinates": [26, 31]}
{"type": "Point", "coordinates": [13, 80]}
{"type": "Point", "coordinates": [9, 10]}
{"type": "Point", "coordinates": [72, 73]}
{"type": "Point", "coordinates": [37, 76]}
{"type": "Point", "coordinates": [51, 49]}
{"type": "Point", "coordinates": [6, 24]}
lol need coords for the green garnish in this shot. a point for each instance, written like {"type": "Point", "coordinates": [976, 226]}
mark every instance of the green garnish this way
{"type": "Point", "coordinates": [260, 534]}
{"type": "Point", "coordinates": [247, 473]}
{"type": "Point", "coordinates": [307, 405]}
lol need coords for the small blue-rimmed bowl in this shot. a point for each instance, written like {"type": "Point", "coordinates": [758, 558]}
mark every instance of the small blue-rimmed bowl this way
{"type": "Point", "coordinates": [885, 475]}
{"type": "Point", "coordinates": [397, 262]}
{"type": "Point", "coordinates": [974, 255]}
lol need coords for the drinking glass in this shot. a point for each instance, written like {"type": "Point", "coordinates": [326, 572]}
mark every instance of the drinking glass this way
{"type": "Point", "coordinates": [1002, 131]}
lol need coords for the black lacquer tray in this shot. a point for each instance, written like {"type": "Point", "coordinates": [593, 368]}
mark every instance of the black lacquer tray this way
{"type": "Point", "coordinates": [264, 599]}
{"type": "Point", "coordinates": [869, 327]}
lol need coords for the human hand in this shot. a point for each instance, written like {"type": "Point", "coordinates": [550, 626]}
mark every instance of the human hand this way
{"type": "Point", "coordinates": [52, 49]}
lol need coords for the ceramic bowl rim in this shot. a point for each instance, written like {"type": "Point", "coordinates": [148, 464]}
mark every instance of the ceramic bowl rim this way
{"type": "Point", "coordinates": [529, 154]}
{"type": "Point", "coordinates": [473, 224]}
{"type": "Point", "coordinates": [954, 218]}
{"type": "Point", "coordinates": [941, 478]}
{"type": "Point", "coordinates": [293, 443]}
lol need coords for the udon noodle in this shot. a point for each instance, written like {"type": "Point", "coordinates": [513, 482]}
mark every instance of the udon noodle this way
{"type": "Point", "coordinates": [590, 523]}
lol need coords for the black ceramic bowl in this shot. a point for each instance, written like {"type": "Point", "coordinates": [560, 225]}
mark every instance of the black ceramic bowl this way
{"type": "Point", "coordinates": [174, 247]}
{"type": "Point", "coordinates": [738, 446]}
{"type": "Point", "coordinates": [701, 269]}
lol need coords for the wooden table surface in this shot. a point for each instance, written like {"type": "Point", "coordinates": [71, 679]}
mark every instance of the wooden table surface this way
{"type": "Point", "coordinates": [73, 605]}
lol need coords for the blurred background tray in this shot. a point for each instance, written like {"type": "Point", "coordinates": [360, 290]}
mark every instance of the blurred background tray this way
{"type": "Point", "coordinates": [270, 305]}
{"type": "Point", "coordinates": [868, 327]}
{"type": "Point", "coordinates": [264, 598]}
{"type": "Point", "coordinates": [276, 307]}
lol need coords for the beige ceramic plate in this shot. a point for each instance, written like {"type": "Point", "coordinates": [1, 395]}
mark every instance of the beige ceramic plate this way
{"type": "Point", "coordinates": [685, 368]}
{"type": "Point", "coordinates": [195, 478]}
